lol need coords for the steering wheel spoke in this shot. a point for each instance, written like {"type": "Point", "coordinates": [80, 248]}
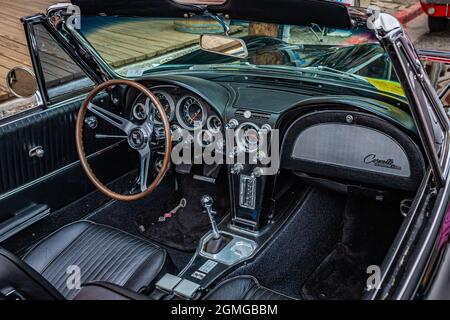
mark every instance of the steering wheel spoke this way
{"type": "Point", "coordinates": [145, 158]}
{"type": "Point", "coordinates": [117, 121]}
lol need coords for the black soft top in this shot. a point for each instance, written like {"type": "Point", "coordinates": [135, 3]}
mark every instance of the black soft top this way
{"type": "Point", "coordinates": [294, 12]}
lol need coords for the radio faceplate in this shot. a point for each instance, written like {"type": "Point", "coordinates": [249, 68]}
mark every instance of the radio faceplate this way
{"type": "Point", "coordinates": [247, 192]}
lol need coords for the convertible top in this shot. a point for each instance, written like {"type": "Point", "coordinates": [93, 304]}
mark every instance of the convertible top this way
{"type": "Point", "coordinates": [294, 12]}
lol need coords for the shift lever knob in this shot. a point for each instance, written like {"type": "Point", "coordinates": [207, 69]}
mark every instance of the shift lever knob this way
{"type": "Point", "coordinates": [207, 201]}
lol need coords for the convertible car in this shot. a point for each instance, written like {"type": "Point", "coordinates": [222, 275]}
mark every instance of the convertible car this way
{"type": "Point", "coordinates": [293, 149]}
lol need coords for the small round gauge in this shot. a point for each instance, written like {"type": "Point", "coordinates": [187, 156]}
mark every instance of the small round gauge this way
{"type": "Point", "coordinates": [168, 104]}
{"type": "Point", "coordinates": [247, 137]}
{"type": "Point", "coordinates": [214, 124]}
{"type": "Point", "coordinates": [191, 114]}
{"type": "Point", "coordinates": [140, 111]}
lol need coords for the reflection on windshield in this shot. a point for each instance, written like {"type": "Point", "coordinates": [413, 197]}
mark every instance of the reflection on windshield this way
{"type": "Point", "coordinates": [135, 46]}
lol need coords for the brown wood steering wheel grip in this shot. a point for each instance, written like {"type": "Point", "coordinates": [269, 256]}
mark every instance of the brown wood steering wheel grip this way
{"type": "Point", "coordinates": [137, 136]}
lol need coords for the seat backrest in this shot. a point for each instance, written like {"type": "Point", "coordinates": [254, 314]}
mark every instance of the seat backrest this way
{"type": "Point", "coordinates": [19, 280]}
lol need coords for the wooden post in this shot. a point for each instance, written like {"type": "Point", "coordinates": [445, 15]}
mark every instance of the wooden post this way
{"type": "Point", "coordinates": [263, 29]}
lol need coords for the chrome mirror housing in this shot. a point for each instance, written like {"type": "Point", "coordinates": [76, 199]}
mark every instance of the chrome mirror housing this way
{"type": "Point", "coordinates": [21, 82]}
{"type": "Point", "coordinates": [224, 45]}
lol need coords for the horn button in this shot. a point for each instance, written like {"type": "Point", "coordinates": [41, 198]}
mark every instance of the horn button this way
{"type": "Point", "coordinates": [137, 139]}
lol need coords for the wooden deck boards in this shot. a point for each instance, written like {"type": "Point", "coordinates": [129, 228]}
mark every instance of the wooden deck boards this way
{"type": "Point", "coordinates": [13, 45]}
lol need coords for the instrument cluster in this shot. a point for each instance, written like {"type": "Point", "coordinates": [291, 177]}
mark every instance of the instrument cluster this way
{"type": "Point", "coordinates": [184, 110]}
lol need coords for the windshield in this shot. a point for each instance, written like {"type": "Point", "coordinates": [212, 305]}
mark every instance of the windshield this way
{"type": "Point", "coordinates": [136, 46]}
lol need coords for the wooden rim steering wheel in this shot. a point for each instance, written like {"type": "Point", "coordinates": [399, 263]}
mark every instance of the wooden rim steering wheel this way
{"type": "Point", "coordinates": [138, 139]}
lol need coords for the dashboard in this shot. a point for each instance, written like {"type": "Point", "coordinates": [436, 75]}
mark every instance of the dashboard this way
{"type": "Point", "coordinates": [252, 105]}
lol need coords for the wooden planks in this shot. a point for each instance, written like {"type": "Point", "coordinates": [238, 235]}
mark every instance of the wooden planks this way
{"type": "Point", "coordinates": [13, 46]}
{"type": "Point", "coordinates": [135, 40]}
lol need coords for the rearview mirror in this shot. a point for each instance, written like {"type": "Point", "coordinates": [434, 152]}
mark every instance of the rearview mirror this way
{"type": "Point", "coordinates": [21, 82]}
{"type": "Point", "coordinates": [224, 45]}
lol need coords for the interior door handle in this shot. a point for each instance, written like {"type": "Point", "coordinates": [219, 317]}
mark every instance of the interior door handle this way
{"type": "Point", "coordinates": [36, 152]}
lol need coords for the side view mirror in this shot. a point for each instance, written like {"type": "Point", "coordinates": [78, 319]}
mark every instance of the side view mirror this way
{"type": "Point", "coordinates": [224, 45]}
{"type": "Point", "coordinates": [21, 82]}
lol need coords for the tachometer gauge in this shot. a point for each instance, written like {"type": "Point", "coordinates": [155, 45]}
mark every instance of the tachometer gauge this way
{"type": "Point", "coordinates": [214, 124]}
{"type": "Point", "coordinates": [191, 114]}
{"type": "Point", "coordinates": [168, 104]}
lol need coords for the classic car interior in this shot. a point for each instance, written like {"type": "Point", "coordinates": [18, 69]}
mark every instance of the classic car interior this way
{"type": "Point", "coordinates": [89, 182]}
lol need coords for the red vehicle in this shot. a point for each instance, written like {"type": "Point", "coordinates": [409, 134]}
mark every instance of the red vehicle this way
{"type": "Point", "coordinates": [438, 12]}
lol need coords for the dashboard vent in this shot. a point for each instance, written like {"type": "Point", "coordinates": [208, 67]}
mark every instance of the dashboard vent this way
{"type": "Point", "coordinates": [255, 115]}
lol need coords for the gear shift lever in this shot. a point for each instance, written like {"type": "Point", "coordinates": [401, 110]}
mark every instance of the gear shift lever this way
{"type": "Point", "coordinates": [218, 241]}
{"type": "Point", "coordinates": [207, 202]}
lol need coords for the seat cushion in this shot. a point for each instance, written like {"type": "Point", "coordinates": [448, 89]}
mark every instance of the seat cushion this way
{"type": "Point", "coordinates": [243, 288]}
{"type": "Point", "coordinates": [102, 254]}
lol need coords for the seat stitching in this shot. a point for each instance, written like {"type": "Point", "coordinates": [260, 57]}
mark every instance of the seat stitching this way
{"type": "Point", "coordinates": [35, 245]}
{"type": "Point", "coordinates": [85, 261]}
{"type": "Point", "coordinates": [56, 274]}
{"type": "Point", "coordinates": [56, 257]}
{"type": "Point", "coordinates": [141, 265]}
{"type": "Point", "coordinates": [122, 277]}
{"type": "Point", "coordinates": [74, 255]}
{"type": "Point", "coordinates": [116, 261]}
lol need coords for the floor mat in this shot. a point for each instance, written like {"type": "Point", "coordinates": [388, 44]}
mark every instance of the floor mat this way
{"type": "Point", "coordinates": [339, 276]}
{"type": "Point", "coordinates": [184, 230]}
{"type": "Point", "coordinates": [368, 230]}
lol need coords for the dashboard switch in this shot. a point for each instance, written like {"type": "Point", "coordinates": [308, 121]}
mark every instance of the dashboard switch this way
{"type": "Point", "coordinates": [257, 172]}
{"type": "Point", "coordinates": [233, 123]}
{"type": "Point", "coordinates": [237, 168]}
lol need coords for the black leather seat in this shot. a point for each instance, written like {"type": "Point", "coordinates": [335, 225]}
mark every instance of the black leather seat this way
{"type": "Point", "coordinates": [102, 253]}
{"type": "Point", "coordinates": [243, 288]}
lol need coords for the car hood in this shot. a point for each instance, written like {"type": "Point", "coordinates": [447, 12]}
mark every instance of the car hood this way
{"type": "Point", "coordinates": [271, 51]}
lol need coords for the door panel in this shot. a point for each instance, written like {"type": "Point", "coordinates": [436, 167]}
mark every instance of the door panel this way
{"type": "Point", "coordinates": [56, 179]}
{"type": "Point", "coordinates": [53, 130]}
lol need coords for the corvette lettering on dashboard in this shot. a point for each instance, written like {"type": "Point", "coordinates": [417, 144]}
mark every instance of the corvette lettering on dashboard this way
{"type": "Point", "coordinates": [385, 163]}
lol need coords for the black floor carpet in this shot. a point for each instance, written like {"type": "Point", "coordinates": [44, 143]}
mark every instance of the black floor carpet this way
{"type": "Point", "coordinates": [184, 230]}
{"type": "Point", "coordinates": [368, 230]}
{"type": "Point", "coordinates": [324, 250]}
{"type": "Point", "coordinates": [296, 250]}
{"type": "Point", "coordinates": [181, 232]}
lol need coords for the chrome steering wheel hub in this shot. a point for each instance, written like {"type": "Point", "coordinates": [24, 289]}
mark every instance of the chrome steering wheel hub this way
{"type": "Point", "coordinates": [137, 138]}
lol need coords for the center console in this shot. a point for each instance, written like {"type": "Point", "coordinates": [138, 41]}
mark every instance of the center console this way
{"type": "Point", "coordinates": [217, 253]}
{"type": "Point", "coordinates": [248, 183]}
{"type": "Point", "coordinates": [239, 238]}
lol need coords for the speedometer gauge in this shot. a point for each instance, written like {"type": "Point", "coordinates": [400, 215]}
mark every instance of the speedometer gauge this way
{"type": "Point", "coordinates": [191, 114]}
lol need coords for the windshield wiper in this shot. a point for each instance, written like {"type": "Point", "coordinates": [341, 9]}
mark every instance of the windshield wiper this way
{"type": "Point", "coordinates": [320, 70]}
{"type": "Point", "coordinates": [345, 74]}
{"type": "Point", "coordinates": [244, 65]}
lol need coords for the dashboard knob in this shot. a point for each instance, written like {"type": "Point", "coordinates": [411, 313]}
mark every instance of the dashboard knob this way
{"type": "Point", "coordinates": [237, 168]}
{"type": "Point", "coordinates": [177, 133]}
{"type": "Point", "coordinates": [233, 123]}
{"type": "Point", "coordinates": [266, 128]}
{"type": "Point", "coordinates": [257, 172]}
